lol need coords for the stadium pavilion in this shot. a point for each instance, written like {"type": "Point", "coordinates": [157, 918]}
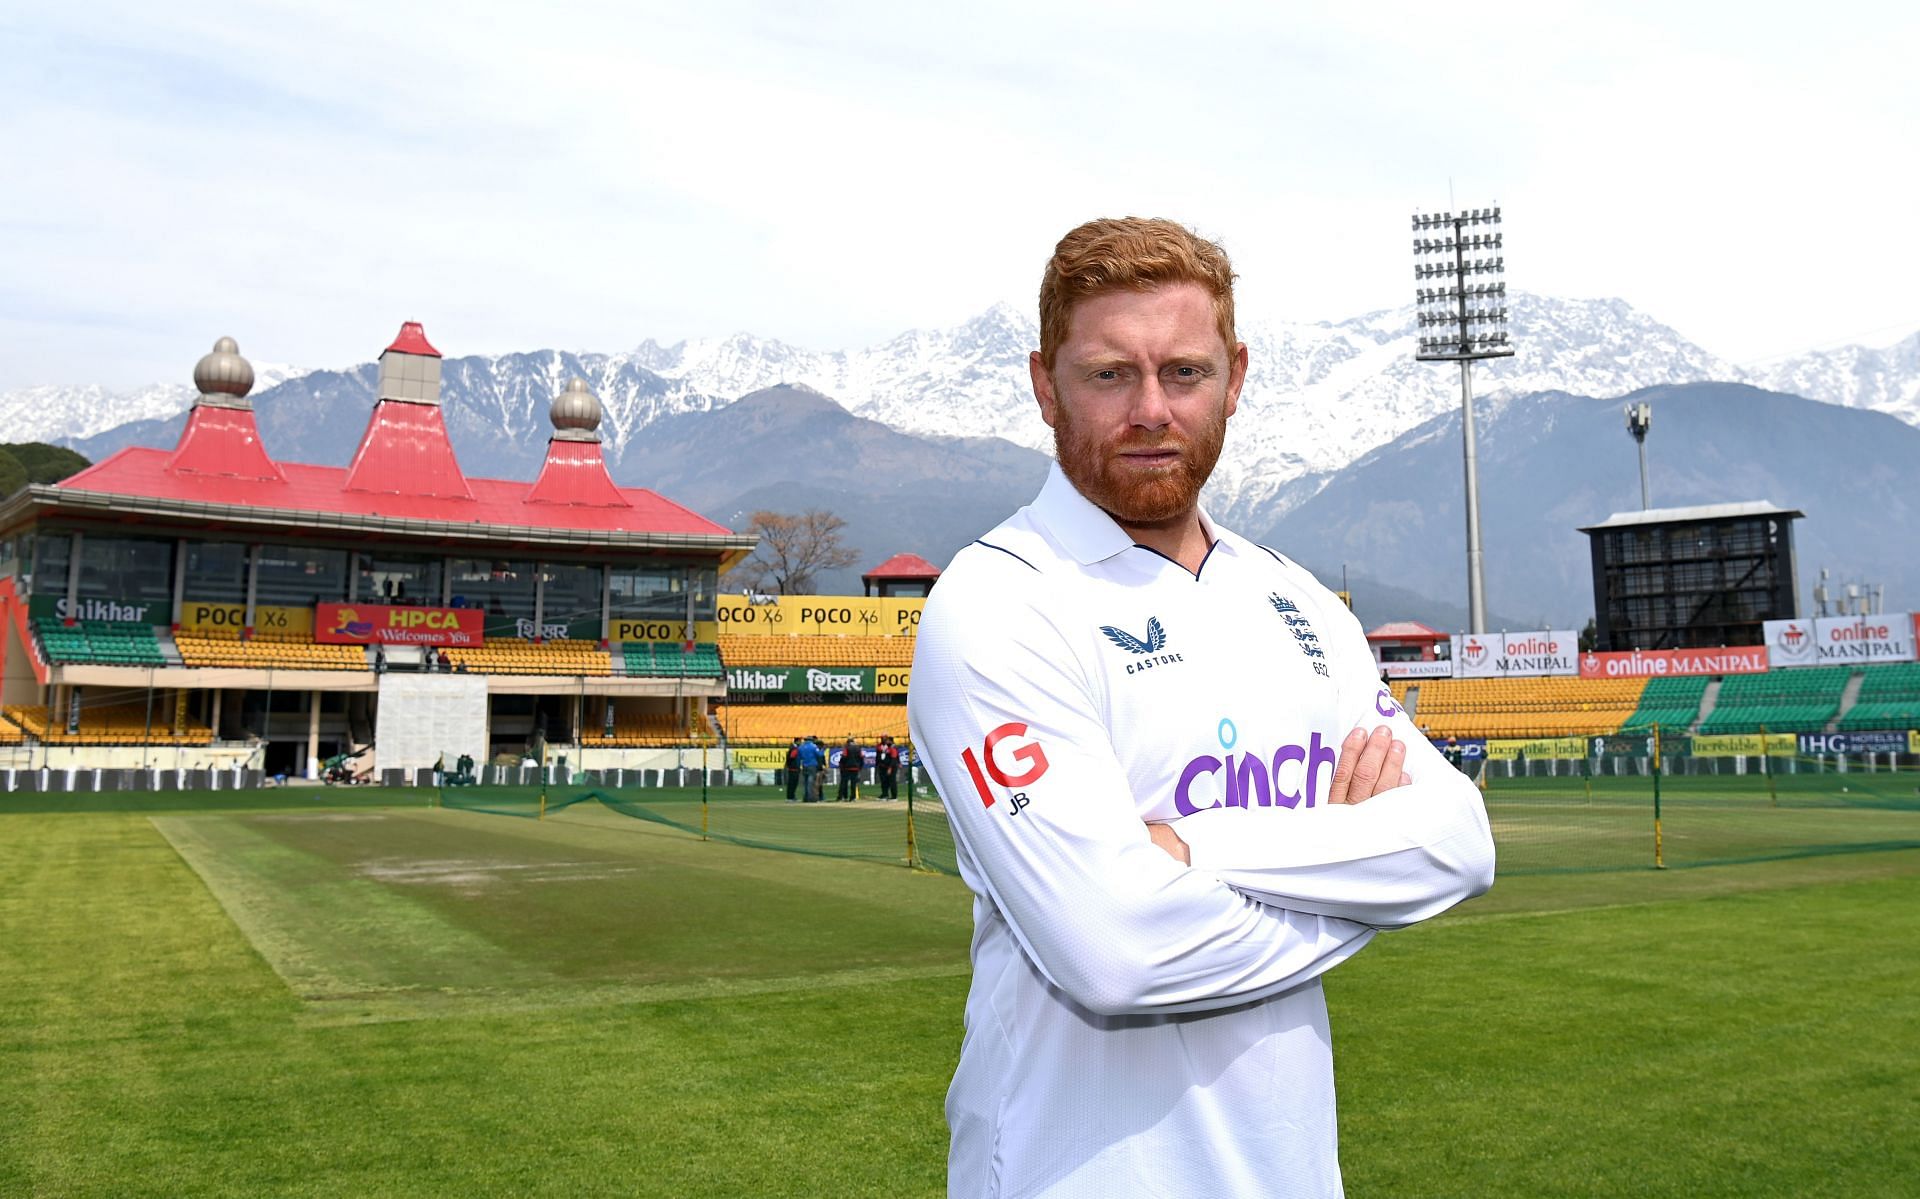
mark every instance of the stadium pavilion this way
{"type": "Point", "coordinates": [238, 609]}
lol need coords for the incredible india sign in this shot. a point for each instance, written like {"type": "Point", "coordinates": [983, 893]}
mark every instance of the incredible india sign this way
{"type": "Point", "coordinates": [366, 624]}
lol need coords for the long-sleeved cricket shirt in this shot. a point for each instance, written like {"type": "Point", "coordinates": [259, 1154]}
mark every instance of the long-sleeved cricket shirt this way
{"type": "Point", "coordinates": [1136, 1026]}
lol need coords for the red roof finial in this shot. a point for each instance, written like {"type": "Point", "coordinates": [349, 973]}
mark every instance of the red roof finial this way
{"type": "Point", "coordinates": [413, 340]}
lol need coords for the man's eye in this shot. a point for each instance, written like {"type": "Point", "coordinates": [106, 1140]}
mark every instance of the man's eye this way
{"type": "Point", "coordinates": [1106, 375]}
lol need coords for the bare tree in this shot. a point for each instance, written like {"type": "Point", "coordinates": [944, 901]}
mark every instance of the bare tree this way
{"type": "Point", "coordinates": [793, 551]}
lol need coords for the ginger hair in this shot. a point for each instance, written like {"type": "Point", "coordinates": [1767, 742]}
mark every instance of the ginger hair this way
{"type": "Point", "coordinates": [1130, 254]}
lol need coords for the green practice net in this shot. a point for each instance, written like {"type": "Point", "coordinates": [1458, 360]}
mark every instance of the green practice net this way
{"type": "Point", "coordinates": [1596, 820]}
{"type": "Point", "coordinates": [1588, 815]}
{"type": "Point", "coordinates": [904, 832]}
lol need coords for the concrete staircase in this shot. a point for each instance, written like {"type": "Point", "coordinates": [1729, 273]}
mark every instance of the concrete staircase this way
{"type": "Point", "coordinates": [1708, 699]}
{"type": "Point", "coordinates": [1849, 695]}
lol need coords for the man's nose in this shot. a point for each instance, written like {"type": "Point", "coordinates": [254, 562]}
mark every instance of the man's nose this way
{"type": "Point", "coordinates": [1152, 407]}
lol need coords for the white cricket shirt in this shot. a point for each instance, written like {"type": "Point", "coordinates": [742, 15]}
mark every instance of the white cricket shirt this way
{"type": "Point", "coordinates": [1135, 1026]}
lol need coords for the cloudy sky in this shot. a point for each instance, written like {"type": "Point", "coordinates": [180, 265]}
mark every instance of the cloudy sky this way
{"type": "Point", "coordinates": [304, 176]}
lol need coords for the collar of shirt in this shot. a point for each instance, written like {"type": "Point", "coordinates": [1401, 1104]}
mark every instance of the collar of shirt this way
{"type": "Point", "coordinates": [1085, 530]}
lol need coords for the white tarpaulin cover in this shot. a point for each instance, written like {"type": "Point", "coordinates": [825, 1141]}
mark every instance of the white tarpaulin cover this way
{"type": "Point", "coordinates": [423, 716]}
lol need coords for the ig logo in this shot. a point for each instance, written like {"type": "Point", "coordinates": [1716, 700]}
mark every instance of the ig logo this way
{"type": "Point", "coordinates": [1029, 758]}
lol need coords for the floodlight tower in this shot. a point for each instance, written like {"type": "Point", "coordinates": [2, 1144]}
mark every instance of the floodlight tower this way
{"type": "Point", "coordinates": [1639, 420]}
{"type": "Point", "coordinates": [1461, 308]}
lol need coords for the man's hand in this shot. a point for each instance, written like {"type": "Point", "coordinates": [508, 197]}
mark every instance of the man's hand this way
{"type": "Point", "coordinates": [1369, 764]}
{"type": "Point", "coordinates": [1164, 836]}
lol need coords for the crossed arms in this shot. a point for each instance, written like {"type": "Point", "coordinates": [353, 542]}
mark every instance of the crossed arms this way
{"type": "Point", "coordinates": [1253, 908]}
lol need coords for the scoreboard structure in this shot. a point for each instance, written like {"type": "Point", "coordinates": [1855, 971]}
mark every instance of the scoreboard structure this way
{"type": "Point", "coordinates": [1685, 578]}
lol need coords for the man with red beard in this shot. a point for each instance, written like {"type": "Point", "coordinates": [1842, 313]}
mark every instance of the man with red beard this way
{"type": "Point", "coordinates": [1176, 786]}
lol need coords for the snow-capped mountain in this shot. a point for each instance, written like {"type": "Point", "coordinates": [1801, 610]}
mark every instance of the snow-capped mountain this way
{"type": "Point", "coordinates": [1318, 396]}
{"type": "Point", "coordinates": [1883, 380]}
{"type": "Point", "coordinates": [63, 413]}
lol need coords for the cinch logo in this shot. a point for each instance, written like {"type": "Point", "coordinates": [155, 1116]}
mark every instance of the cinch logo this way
{"type": "Point", "coordinates": [1030, 756]}
{"type": "Point", "coordinates": [1256, 780]}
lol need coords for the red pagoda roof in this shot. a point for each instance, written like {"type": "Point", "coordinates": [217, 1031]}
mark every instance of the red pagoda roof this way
{"type": "Point", "coordinates": [413, 340]}
{"type": "Point", "coordinates": [1405, 630]}
{"type": "Point", "coordinates": [323, 489]}
{"type": "Point", "coordinates": [222, 441]}
{"type": "Point", "coordinates": [405, 449]}
{"type": "Point", "coordinates": [575, 473]}
{"type": "Point", "coordinates": [903, 566]}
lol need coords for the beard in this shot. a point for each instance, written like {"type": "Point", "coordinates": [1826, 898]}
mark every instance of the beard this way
{"type": "Point", "coordinates": [1129, 496]}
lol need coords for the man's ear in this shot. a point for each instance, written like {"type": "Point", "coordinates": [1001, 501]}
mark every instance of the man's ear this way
{"type": "Point", "coordinates": [1042, 387]}
{"type": "Point", "coordinates": [1236, 377]}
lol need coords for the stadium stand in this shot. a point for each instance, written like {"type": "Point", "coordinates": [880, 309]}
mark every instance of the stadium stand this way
{"type": "Point", "coordinates": [777, 724]}
{"type": "Point", "coordinates": [99, 642]}
{"type": "Point", "coordinates": [670, 659]}
{"type": "Point", "coordinates": [116, 724]}
{"type": "Point", "coordinates": [267, 651]}
{"type": "Point", "coordinates": [1671, 703]}
{"type": "Point", "coordinates": [510, 655]}
{"type": "Point", "coordinates": [1542, 707]}
{"type": "Point", "coordinates": [646, 730]}
{"type": "Point", "coordinates": [1889, 698]}
{"type": "Point", "coordinates": [816, 650]}
{"type": "Point", "coordinates": [1780, 701]}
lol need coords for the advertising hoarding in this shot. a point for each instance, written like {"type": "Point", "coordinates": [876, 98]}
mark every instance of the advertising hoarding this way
{"type": "Point", "coordinates": [366, 624]}
{"type": "Point", "coordinates": [803, 680]}
{"type": "Point", "coordinates": [96, 608]}
{"type": "Point", "coordinates": [1515, 655]}
{"type": "Point", "coordinates": [1863, 640]}
{"type": "Point", "coordinates": [199, 616]}
{"type": "Point", "coordinates": [1744, 745]}
{"type": "Point", "coordinates": [1537, 747]}
{"type": "Point", "coordinates": [1854, 743]}
{"type": "Point", "coordinates": [1417, 670]}
{"type": "Point", "coordinates": [1841, 640]}
{"type": "Point", "coordinates": [842, 615]}
{"type": "Point", "coordinates": [1662, 663]}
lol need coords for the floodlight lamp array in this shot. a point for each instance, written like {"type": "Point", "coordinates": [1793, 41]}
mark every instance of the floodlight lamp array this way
{"type": "Point", "coordinates": [1448, 220]}
{"type": "Point", "coordinates": [1460, 295]}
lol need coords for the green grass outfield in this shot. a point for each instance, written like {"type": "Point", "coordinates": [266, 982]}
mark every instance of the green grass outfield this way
{"type": "Point", "coordinates": [348, 993]}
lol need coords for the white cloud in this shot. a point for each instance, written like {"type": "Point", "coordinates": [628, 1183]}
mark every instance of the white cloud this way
{"type": "Point", "coordinates": [305, 176]}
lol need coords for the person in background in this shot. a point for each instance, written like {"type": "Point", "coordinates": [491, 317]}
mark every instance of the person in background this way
{"type": "Point", "coordinates": [852, 761]}
{"type": "Point", "coordinates": [792, 768]}
{"type": "Point", "coordinates": [886, 768]}
{"type": "Point", "coordinates": [812, 757]}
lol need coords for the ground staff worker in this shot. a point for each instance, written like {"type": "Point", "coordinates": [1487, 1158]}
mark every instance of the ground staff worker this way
{"type": "Point", "coordinates": [1176, 786]}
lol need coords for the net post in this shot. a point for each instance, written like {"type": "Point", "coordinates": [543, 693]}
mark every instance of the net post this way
{"type": "Point", "coordinates": [913, 849]}
{"type": "Point", "coordinates": [1659, 852]}
{"type": "Point", "coordinates": [1766, 767]}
